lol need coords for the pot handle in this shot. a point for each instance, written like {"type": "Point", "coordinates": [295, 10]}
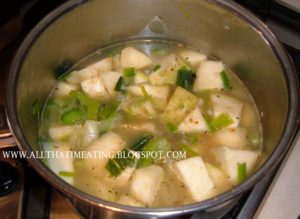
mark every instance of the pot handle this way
{"type": "Point", "coordinates": [6, 138]}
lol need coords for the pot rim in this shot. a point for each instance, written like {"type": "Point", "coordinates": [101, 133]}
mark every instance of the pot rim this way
{"type": "Point", "coordinates": [273, 160]}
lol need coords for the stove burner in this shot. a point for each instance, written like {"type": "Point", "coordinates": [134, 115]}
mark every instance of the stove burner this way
{"type": "Point", "coordinates": [8, 178]}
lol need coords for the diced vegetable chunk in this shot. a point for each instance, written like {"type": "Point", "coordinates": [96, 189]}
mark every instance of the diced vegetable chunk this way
{"type": "Point", "coordinates": [60, 133]}
{"type": "Point", "coordinates": [141, 78]}
{"type": "Point", "coordinates": [196, 178]}
{"type": "Point", "coordinates": [230, 158]}
{"type": "Point", "coordinates": [135, 90]}
{"type": "Point", "coordinates": [145, 183]}
{"type": "Point", "coordinates": [158, 94]}
{"type": "Point", "coordinates": [108, 144]}
{"type": "Point", "coordinates": [141, 108]}
{"type": "Point", "coordinates": [181, 103]}
{"type": "Point", "coordinates": [63, 88]}
{"type": "Point", "coordinates": [73, 116]}
{"type": "Point", "coordinates": [110, 79]}
{"type": "Point", "coordinates": [140, 143]}
{"type": "Point", "coordinates": [225, 79]}
{"type": "Point", "coordinates": [131, 57]}
{"type": "Point", "coordinates": [90, 71]}
{"type": "Point", "coordinates": [185, 78]}
{"type": "Point", "coordinates": [127, 200]}
{"type": "Point", "coordinates": [148, 127]}
{"type": "Point", "coordinates": [193, 122]}
{"type": "Point", "coordinates": [90, 104]}
{"type": "Point", "coordinates": [242, 172]}
{"type": "Point", "coordinates": [191, 57]}
{"type": "Point", "coordinates": [235, 138]}
{"type": "Point", "coordinates": [57, 164]}
{"type": "Point", "coordinates": [116, 60]}
{"type": "Point", "coordinates": [221, 121]}
{"type": "Point", "coordinates": [167, 73]}
{"type": "Point", "coordinates": [90, 132]}
{"type": "Point", "coordinates": [219, 177]}
{"type": "Point", "coordinates": [119, 163]}
{"type": "Point", "coordinates": [95, 88]}
{"type": "Point", "coordinates": [160, 145]}
{"type": "Point", "coordinates": [209, 76]}
{"type": "Point", "coordinates": [122, 180]}
{"type": "Point", "coordinates": [225, 104]}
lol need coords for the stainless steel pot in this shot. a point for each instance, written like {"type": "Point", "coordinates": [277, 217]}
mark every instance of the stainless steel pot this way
{"type": "Point", "coordinates": [219, 28]}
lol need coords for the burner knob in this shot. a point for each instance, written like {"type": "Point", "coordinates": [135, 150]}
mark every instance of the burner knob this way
{"type": "Point", "coordinates": [8, 178]}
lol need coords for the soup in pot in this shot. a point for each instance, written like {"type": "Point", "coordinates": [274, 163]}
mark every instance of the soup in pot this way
{"type": "Point", "coordinates": [151, 124]}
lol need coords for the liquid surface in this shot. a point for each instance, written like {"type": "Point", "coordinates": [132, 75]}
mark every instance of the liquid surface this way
{"type": "Point", "coordinates": [152, 98]}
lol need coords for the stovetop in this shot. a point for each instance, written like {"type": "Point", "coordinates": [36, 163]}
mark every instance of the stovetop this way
{"type": "Point", "coordinates": [27, 195]}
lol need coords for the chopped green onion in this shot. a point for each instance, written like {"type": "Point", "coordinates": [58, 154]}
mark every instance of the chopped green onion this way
{"type": "Point", "coordinates": [116, 165]}
{"type": "Point", "coordinates": [106, 110]}
{"type": "Point", "coordinates": [156, 67]}
{"type": "Point", "coordinates": [66, 174]}
{"type": "Point", "coordinates": [158, 52]}
{"type": "Point", "coordinates": [140, 143]}
{"type": "Point", "coordinates": [185, 78]}
{"type": "Point", "coordinates": [73, 116]}
{"type": "Point", "coordinates": [171, 127]}
{"type": "Point", "coordinates": [126, 159]}
{"type": "Point", "coordinates": [190, 152]}
{"type": "Point", "coordinates": [242, 172]}
{"type": "Point", "coordinates": [113, 168]}
{"type": "Point", "coordinates": [222, 121]}
{"type": "Point", "coordinates": [129, 72]}
{"type": "Point", "coordinates": [156, 144]}
{"type": "Point", "coordinates": [192, 138]}
{"type": "Point", "coordinates": [92, 106]}
{"type": "Point", "coordinates": [145, 93]}
{"type": "Point", "coordinates": [120, 85]}
{"type": "Point", "coordinates": [144, 162]}
{"type": "Point", "coordinates": [226, 81]}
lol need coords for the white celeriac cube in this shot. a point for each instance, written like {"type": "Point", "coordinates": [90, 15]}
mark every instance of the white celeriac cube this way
{"type": "Point", "coordinates": [121, 181]}
{"type": "Point", "coordinates": [110, 80]}
{"type": "Point", "coordinates": [127, 200]}
{"type": "Point", "coordinates": [167, 73]}
{"type": "Point", "coordinates": [193, 122]}
{"type": "Point", "coordinates": [103, 149]}
{"type": "Point", "coordinates": [236, 137]}
{"type": "Point", "coordinates": [196, 178]}
{"type": "Point", "coordinates": [90, 71]}
{"type": "Point", "coordinates": [208, 76]}
{"type": "Point", "coordinates": [63, 163]}
{"type": "Point", "coordinates": [145, 183]}
{"type": "Point", "coordinates": [95, 88]}
{"type": "Point", "coordinates": [225, 104]}
{"type": "Point", "coordinates": [135, 90]}
{"type": "Point", "coordinates": [61, 133]}
{"type": "Point", "coordinates": [141, 78]}
{"type": "Point", "coordinates": [131, 57]}
{"type": "Point", "coordinates": [230, 158]}
{"type": "Point", "coordinates": [191, 57]}
{"type": "Point", "coordinates": [219, 177]}
{"type": "Point", "coordinates": [138, 127]}
{"type": "Point", "coordinates": [116, 61]}
{"type": "Point", "coordinates": [63, 88]}
{"type": "Point", "coordinates": [90, 132]}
